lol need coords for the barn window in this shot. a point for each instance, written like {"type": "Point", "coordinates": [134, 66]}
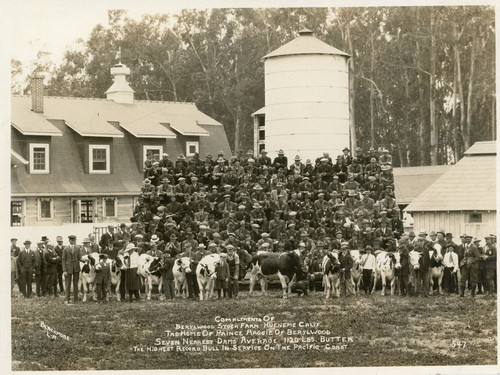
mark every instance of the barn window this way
{"type": "Point", "coordinates": [475, 218]}
{"type": "Point", "coordinates": [153, 152]}
{"type": "Point", "coordinates": [262, 135]}
{"type": "Point", "coordinates": [16, 213]}
{"type": "Point", "coordinates": [192, 148]}
{"type": "Point", "coordinates": [45, 208]}
{"type": "Point", "coordinates": [39, 158]}
{"type": "Point", "coordinates": [109, 207]}
{"type": "Point", "coordinates": [99, 159]}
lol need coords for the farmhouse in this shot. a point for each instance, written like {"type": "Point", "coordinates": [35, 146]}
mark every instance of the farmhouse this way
{"type": "Point", "coordinates": [463, 199]}
{"type": "Point", "coordinates": [77, 160]}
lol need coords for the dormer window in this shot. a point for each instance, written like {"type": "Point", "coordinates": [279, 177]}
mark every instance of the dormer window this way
{"type": "Point", "coordinates": [99, 159]}
{"type": "Point", "coordinates": [39, 158]}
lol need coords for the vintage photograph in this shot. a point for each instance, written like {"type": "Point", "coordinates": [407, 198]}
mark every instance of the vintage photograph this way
{"type": "Point", "coordinates": [217, 188]}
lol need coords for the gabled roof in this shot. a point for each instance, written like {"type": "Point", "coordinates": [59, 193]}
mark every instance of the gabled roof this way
{"type": "Point", "coordinates": [469, 185]}
{"type": "Point", "coordinates": [410, 182]}
{"type": "Point", "coordinates": [305, 44]}
{"type": "Point", "coordinates": [91, 117]}
{"type": "Point", "coordinates": [29, 122]}
{"type": "Point", "coordinates": [482, 148]}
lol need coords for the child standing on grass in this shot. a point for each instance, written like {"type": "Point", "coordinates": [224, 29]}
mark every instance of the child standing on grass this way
{"type": "Point", "coordinates": [222, 272]}
{"type": "Point", "coordinates": [102, 277]}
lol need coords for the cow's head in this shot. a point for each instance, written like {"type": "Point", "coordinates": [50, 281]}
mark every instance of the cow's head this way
{"type": "Point", "coordinates": [154, 266]}
{"type": "Point", "coordinates": [255, 269]}
{"type": "Point", "coordinates": [414, 259]}
{"type": "Point", "coordinates": [396, 258]}
{"type": "Point", "coordinates": [184, 264]}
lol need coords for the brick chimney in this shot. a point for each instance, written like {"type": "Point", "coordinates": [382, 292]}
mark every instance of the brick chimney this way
{"type": "Point", "coordinates": [37, 94]}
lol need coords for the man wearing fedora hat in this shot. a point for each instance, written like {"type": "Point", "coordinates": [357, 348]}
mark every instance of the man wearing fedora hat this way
{"type": "Point", "coordinates": [488, 263]}
{"type": "Point", "coordinates": [25, 265]}
{"type": "Point", "coordinates": [468, 266]}
{"type": "Point", "coordinates": [71, 268]}
{"type": "Point", "coordinates": [281, 161]}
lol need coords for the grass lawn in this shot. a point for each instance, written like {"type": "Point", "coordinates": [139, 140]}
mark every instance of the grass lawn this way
{"type": "Point", "coordinates": [385, 331]}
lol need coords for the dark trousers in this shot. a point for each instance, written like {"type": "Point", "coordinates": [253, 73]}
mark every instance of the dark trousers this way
{"type": "Point", "coordinates": [422, 282]}
{"type": "Point", "coordinates": [192, 284]}
{"type": "Point", "coordinates": [101, 291]}
{"type": "Point", "coordinates": [469, 272]}
{"type": "Point", "coordinates": [72, 277]}
{"type": "Point", "coordinates": [59, 278]}
{"type": "Point", "coordinates": [482, 283]}
{"type": "Point", "coordinates": [123, 283]}
{"type": "Point", "coordinates": [25, 281]}
{"type": "Point", "coordinates": [449, 279]}
{"type": "Point", "coordinates": [43, 282]}
{"type": "Point", "coordinates": [404, 280]}
{"type": "Point", "coordinates": [367, 280]}
{"type": "Point", "coordinates": [38, 282]}
{"type": "Point", "coordinates": [168, 288]}
{"type": "Point", "coordinates": [52, 284]}
{"type": "Point", "coordinates": [233, 287]}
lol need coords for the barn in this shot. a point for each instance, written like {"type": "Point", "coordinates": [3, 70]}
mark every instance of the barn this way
{"type": "Point", "coordinates": [463, 199]}
{"type": "Point", "coordinates": [80, 160]}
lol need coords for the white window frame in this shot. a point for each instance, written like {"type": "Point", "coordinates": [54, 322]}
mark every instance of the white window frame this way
{"type": "Point", "coordinates": [47, 158]}
{"type": "Point", "coordinates": [196, 144]}
{"type": "Point", "coordinates": [104, 212]}
{"type": "Point", "coordinates": [23, 210]}
{"type": "Point", "coordinates": [108, 159]}
{"type": "Point", "coordinates": [151, 147]}
{"type": "Point", "coordinates": [39, 206]}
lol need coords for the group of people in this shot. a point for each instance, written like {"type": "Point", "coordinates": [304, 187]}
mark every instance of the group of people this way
{"type": "Point", "coordinates": [250, 203]}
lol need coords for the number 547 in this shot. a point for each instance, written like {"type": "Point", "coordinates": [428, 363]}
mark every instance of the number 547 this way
{"type": "Point", "coordinates": [459, 344]}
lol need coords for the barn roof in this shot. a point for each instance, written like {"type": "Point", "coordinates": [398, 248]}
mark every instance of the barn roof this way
{"type": "Point", "coordinates": [410, 182]}
{"type": "Point", "coordinates": [29, 122]}
{"type": "Point", "coordinates": [469, 185]}
{"type": "Point", "coordinates": [90, 117]}
{"type": "Point", "coordinates": [305, 44]}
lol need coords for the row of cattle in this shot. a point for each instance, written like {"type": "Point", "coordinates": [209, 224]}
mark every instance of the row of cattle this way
{"type": "Point", "coordinates": [288, 266]}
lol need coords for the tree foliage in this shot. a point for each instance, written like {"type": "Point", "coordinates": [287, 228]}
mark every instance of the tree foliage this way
{"type": "Point", "coordinates": [416, 71]}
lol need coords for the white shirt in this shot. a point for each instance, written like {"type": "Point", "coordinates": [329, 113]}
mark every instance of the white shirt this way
{"type": "Point", "coordinates": [450, 259]}
{"type": "Point", "coordinates": [368, 261]}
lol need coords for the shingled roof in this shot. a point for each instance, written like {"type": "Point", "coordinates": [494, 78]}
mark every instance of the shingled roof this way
{"type": "Point", "coordinates": [410, 182]}
{"type": "Point", "coordinates": [470, 185]}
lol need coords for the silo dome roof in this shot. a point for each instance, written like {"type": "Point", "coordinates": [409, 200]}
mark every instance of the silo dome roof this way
{"type": "Point", "coordinates": [305, 44]}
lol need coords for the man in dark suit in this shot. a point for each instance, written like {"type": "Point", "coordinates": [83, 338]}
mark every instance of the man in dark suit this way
{"type": "Point", "coordinates": [71, 267]}
{"type": "Point", "coordinates": [52, 260]}
{"type": "Point", "coordinates": [40, 269]}
{"type": "Point", "coordinates": [468, 266]}
{"type": "Point", "coordinates": [422, 274]}
{"type": "Point", "coordinates": [25, 265]}
{"type": "Point", "coordinates": [59, 249]}
{"type": "Point", "coordinates": [103, 242]}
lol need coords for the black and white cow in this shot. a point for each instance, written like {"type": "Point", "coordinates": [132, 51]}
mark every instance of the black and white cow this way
{"type": "Point", "coordinates": [287, 265]}
{"type": "Point", "coordinates": [331, 274]}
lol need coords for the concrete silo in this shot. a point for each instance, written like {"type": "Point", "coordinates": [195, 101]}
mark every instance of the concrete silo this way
{"type": "Point", "coordinates": [306, 100]}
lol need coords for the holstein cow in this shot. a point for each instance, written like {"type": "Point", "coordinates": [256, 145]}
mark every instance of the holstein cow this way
{"type": "Point", "coordinates": [149, 269]}
{"type": "Point", "coordinates": [385, 265]}
{"type": "Point", "coordinates": [87, 274]}
{"type": "Point", "coordinates": [181, 267]}
{"type": "Point", "coordinates": [205, 274]}
{"type": "Point", "coordinates": [287, 265]}
{"type": "Point", "coordinates": [436, 268]}
{"type": "Point", "coordinates": [331, 274]}
{"type": "Point", "coordinates": [116, 266]}
{"type": "Point", "coordinates": [356, 270]}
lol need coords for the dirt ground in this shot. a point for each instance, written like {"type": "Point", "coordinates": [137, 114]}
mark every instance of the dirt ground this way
{"type": "Point", "coordinates": [377, 330]}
